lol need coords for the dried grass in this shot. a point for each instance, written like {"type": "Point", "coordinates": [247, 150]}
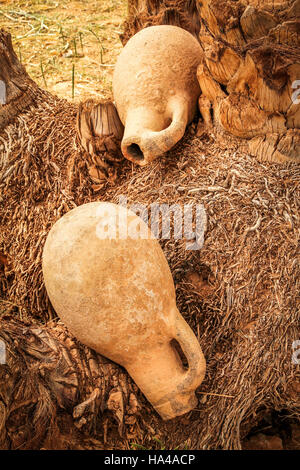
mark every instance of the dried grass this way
{"type": "Point", "coordinates": [50, 37]}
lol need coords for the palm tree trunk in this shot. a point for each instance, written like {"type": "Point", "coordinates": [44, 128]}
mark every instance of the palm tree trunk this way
{"type": "Point", "coordinates": [250, 71]}
{"type": "Point", "coordinates": [143, 13]}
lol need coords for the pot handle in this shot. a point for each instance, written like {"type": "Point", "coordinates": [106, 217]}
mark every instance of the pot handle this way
{"type": "Point", "coordinates": [193, 352]}
{"type": "Point", "coordinates": [161, 141]}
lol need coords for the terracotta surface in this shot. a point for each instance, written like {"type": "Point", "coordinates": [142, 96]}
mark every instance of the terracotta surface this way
{"type": "Point", "coordinates": [117, 296]}
{"type": "Point", "coordinates": [156, 90]}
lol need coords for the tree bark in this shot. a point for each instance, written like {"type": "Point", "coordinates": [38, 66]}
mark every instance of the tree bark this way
{"type": "Point", "coordinates": [250, 71]}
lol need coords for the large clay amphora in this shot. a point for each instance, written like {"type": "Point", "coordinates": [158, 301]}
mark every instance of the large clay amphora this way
{"type": "Point", "coordinates": [109, 282]}
{"type": "Point", "coordinates": [156, 89]}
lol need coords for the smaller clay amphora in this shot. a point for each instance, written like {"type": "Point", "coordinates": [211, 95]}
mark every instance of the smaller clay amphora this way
{"type": "Point", "coordinates": [109, 282]}
{"type": "Point", "coordinates": [156, 90]}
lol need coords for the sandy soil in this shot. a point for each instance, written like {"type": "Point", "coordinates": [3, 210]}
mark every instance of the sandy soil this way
{"type": "Point", "coordinates": [68, 47]}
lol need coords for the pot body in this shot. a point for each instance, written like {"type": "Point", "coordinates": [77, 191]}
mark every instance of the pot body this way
{"type": "Point", "coordinates": [156, 89]}
{"type": "Point", "coordinates": [115, 293]}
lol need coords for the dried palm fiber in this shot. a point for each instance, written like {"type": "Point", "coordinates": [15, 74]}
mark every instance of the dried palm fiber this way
{"type": "Point", "coordinates": [250, 69]}
{"type": "Point", "coordinates": [39, 183]}
{"type": "Point", "coordinates": [100, 132]}
{"type": "Point", "coordinates": [240, 293]}
{"type": "Point", "coordinates": [52, 389]}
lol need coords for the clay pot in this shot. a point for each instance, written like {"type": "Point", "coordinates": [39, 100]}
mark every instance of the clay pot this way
{"type": "Point", "coordinates": [116, 295]}
{"type": "Point", "coordinates": [156, 90]}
